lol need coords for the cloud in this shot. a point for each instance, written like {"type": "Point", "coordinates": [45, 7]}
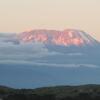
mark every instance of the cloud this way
{"type": "Point", "coordinates": [75, 54]}
{"type": "Point", "coordinates": [10, 38]}
{"type": "Point", "coordinates": [10, 62]}
{"type": "Point", "coordinates": [9, 50]}
{"type": "Point", "coordinates": [12, 50]}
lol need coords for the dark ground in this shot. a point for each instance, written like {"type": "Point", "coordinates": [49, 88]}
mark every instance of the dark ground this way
{"type": "Point", "coordinates": [84, 92]}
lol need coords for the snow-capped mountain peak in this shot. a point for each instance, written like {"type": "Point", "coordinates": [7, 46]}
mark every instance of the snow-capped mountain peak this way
{"type": "Point", "coordinates": [65, 38]}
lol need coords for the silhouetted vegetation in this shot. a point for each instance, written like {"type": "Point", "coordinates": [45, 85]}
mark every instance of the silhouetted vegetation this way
{"type": "Point", "coordinates": [85, 92]}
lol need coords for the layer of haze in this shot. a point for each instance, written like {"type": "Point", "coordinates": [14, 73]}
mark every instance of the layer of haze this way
{"type": "Point", "coordinates": [21, 15]}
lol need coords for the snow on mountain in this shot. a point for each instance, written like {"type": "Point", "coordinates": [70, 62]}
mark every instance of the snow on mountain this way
{"type": "Point", "coordinates": [65, 38]}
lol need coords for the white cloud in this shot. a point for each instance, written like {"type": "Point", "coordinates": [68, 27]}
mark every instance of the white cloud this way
{"type": "Point", "coordinates": [48, 64]}
{"type": "Point", "coordinates": [21, 51]}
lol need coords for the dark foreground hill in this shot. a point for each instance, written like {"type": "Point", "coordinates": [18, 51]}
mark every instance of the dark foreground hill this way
{"type": "Point", "coordinates": [84, 92]}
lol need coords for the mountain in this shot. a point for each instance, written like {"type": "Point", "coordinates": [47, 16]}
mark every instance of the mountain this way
{"type": "Point", "coordinates": [62, 38]}
{"type": "Point", "coordinates": [68, 46]}
{"type": "Point", "coordinates": [40, 58]}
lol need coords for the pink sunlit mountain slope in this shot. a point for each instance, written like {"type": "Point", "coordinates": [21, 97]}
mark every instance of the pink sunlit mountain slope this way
{"type": "Point", "coordinates": [62, 38]}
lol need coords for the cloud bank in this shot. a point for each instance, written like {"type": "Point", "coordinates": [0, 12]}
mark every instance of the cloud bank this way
{"type": "Point", "coordinates": [9, 50]}
{"type": "Point", "coordinates": [12, 50]}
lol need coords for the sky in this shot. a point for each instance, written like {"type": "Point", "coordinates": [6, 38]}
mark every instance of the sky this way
{"type": "Point", "coordinates": [21, 15]}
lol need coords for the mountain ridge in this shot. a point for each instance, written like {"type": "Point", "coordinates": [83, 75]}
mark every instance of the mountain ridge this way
{"type": "Point", "coordinates": [66, 37]}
